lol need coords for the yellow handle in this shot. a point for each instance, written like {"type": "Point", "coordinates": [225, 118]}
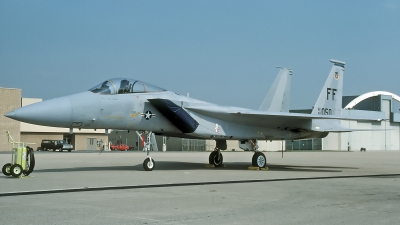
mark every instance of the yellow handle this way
{"type": "Point", "coordinates": [14, 142]}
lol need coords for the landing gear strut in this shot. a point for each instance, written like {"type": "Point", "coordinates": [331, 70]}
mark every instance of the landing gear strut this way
{"type": "Point", "coordinates": [259, 159]}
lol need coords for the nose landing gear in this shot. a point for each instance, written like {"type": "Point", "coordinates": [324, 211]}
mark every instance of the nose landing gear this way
{"type": "Point", "coordinates": [149, 144]}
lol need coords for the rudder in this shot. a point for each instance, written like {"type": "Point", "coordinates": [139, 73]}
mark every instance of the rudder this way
{"type": "Point", "coordinates": [329, 101]}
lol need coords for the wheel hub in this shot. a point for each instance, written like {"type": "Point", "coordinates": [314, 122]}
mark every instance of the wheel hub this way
{"type": "Point", "coordinates": [216, 161]}
{"type": "Point", "coordinates": [261, 161]}
{"type": "Point", "coordinates": [150, 164]}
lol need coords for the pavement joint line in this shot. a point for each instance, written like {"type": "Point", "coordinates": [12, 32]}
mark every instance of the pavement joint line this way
{"type": "Point", "coordinates": [109, 188]}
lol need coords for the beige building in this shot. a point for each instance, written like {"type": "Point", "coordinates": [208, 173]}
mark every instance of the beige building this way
{"type": "Point", "coordinates": [11, 99]}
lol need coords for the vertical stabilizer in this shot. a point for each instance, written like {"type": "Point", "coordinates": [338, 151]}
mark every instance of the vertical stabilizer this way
{"type": "Point", "coordinates": [330, 99]}
{"type": "Point", "coordinates": [278, 96]}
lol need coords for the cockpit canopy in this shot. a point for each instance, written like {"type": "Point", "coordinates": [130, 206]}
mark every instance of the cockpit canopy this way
{"type": "Point", "coordinates": [124, 86]}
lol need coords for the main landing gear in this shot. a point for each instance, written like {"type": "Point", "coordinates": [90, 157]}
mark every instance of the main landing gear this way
{"type": "Point", "coordinates": [216, 158]}
{"type": "Point", "coordinates": [258, 160]}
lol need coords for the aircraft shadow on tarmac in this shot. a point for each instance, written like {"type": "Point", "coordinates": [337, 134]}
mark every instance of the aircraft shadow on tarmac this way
{"type": "Point", "coordinates": [168, 165]}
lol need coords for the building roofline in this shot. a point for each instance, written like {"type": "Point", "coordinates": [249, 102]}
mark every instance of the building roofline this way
{"type": "Point", "coordinates": [10, 88]}
{"type": "Point", "coordinates": [362, 97]}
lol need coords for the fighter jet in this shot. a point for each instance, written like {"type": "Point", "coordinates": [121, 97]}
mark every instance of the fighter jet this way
{"type": "Point", "coordinates": [133, 105]}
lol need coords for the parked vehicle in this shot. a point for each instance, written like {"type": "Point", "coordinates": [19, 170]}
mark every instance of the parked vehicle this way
{"type": "Point", "coordinates": [66, 146]}
{"type": "Point", "coordinates": [47, 145]}
{"type": "Point", "coordinates": [120, 147]}
{"type": "Point", "coordinates": [61, 145]}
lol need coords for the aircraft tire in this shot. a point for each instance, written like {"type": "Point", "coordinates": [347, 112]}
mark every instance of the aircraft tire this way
{"type": "Point", "coordinates": [16, 170]}
{"type": "Point", "coordinates": [259, 160]}
{"type": "Point", "coordinates": [147, 165]}
{"type": "Point", "coordinates": [213, 159]}
{"type": "Point", "coordinates": [7, 169]}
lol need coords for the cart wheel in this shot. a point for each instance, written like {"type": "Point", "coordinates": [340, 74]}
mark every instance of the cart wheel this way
{"type": "Point", "coordinates": [6, 169]}
{"type": "Point", "coordinates": [16, 170]}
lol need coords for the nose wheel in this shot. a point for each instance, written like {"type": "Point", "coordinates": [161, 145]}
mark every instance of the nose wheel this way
{"type": "Point", "coordinates": [148, 164]}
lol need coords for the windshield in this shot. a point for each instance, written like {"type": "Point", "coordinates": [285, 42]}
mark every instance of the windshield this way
{"type": "Point", "coordinates": [124, 86]}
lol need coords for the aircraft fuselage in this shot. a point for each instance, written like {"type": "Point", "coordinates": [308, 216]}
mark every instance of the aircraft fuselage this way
{"type": "Point", "coordinates": [133, 111]}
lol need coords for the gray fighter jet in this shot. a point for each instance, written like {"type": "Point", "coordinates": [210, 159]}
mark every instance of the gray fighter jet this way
{"type": "Point", "coordinates": [127, 104]}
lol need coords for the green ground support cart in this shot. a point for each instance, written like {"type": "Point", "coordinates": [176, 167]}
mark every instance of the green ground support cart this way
{"type": "Point", "coordinates": [22, 159]}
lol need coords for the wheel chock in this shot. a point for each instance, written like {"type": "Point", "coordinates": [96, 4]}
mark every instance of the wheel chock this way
{"type": "Point", "coordinates": [257, 168]}
{"type": "Point", "coordinates": [212, 166]}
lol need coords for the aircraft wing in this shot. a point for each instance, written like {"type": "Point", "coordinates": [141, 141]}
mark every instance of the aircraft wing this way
{"type": "Point", "coordinates": [276, 119]}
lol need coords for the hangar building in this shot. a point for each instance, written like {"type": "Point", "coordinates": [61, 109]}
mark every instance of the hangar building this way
{"type": "Point", "coordinates": [385, 134]}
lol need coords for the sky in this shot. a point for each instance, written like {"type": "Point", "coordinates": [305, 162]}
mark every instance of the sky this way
{"type": "Point", "coordinates": [224, 52]}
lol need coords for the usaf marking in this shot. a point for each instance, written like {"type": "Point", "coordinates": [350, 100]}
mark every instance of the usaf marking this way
{"type": "Point", "coordinates": [324, 111]}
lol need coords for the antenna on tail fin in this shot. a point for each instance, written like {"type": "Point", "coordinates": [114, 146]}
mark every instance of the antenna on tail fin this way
{"type": "Point", "coordinates": [330, 99]}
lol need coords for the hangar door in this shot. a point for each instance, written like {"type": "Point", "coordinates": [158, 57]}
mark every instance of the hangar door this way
{"type": "Point", "coordinates": [386, 108]}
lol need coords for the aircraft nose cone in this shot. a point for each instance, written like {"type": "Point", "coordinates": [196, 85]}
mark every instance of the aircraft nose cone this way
{"type": "Point", "coordinates": [11, 115]}
{"type": "Point", "coordinates": [55, 112]}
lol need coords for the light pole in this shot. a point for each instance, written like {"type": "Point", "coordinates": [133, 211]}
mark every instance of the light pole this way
{"type": "Point", "coordinates": [384, 120]}
{"type": "Point", "coordinates": [385, 134]}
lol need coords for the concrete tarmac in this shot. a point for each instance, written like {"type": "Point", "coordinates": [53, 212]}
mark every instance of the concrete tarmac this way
{"type": "Point", "coordinates": [112, 188]}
